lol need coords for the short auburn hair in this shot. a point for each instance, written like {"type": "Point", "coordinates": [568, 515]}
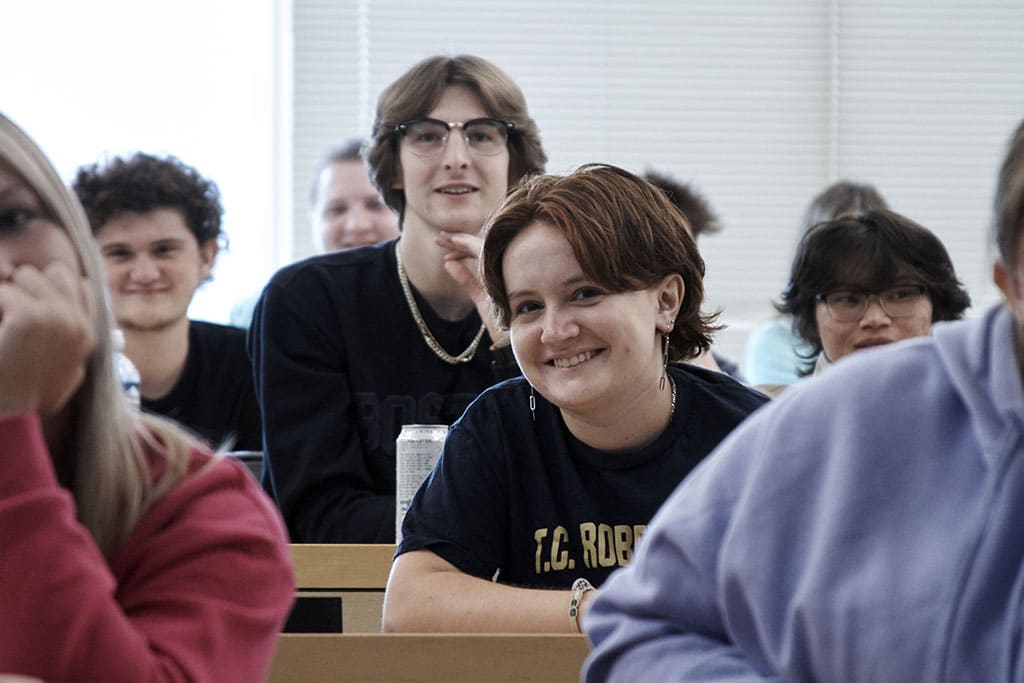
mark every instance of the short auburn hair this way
{"type": "Point", "coordinates": [624, 232]}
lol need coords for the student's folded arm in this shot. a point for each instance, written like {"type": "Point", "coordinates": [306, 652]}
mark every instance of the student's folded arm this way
{"type": "Point", "coordinates": [427, 593]}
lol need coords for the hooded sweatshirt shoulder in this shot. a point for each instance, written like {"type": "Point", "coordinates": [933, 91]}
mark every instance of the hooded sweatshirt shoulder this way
{"type": "Point", "coordinates": [854, 530]}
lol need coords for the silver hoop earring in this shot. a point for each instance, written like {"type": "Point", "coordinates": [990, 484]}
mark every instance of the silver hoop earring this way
{"type": "Point", "coordinates": [664, 368]}
{"type": "Point", "coordinates": [533, 405]}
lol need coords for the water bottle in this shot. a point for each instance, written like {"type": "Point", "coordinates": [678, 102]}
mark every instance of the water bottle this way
{"type": "Point", "coordinates": [126, 371]}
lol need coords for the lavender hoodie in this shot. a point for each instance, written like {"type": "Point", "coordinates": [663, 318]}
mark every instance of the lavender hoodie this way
{"type": "Point", "coordinates": [867, 526]}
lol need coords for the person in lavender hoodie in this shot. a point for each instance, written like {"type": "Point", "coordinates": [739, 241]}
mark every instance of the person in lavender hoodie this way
{"type": "Point", "coordinates": [867, 526]}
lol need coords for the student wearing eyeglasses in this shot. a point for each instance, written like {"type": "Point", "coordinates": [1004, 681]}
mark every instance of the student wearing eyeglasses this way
{"type": "Point", "coordinates": [350, 346]}
{"type": "Point", "coordinates": [866, 280]}
{"type": "Point", "coordinates": [773, 352]}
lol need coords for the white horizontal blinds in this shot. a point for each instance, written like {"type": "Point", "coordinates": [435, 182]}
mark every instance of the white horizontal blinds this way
{"type": "Point", "coordinates": [930, 92]}
{"type": "Point", "coordinates": [759, 104]}
{"type": "Point", "coordinates": [326, 97]}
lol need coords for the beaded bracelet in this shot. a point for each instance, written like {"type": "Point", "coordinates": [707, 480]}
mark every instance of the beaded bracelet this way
{"type": "Point", "coordinates": [579, 587]}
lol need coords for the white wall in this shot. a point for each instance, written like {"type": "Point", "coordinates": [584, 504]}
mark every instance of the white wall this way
{"type": "Point", "coordinates": [193, 78]}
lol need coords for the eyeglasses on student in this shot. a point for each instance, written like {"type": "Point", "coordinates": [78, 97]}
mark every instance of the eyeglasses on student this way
{"type": "Point", "coordinates": [428, 137]}
{"type": "Point", "coordinates": [849, 305]}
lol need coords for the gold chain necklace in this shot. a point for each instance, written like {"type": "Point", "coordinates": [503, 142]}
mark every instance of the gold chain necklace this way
{"type": "Point", "coordinates": [436, 347]}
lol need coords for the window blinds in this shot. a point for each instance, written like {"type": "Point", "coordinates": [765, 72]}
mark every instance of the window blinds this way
{"type": "Point", "coordinates": [760, 105]}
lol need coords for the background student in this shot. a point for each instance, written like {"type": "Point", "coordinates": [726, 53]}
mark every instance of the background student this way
{"type": "Point", "coordinates": [775, 353]}
{"type": "Point", "coordinates": [158, 224]}
{"type": "Point", "coordinates": [866, 280]}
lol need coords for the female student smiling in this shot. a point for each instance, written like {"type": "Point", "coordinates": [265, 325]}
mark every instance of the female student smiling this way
{"type": "Point", "coordinates": [548, 481]}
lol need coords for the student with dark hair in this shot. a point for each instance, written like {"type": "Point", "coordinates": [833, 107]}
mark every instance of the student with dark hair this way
{"type": "Point", "coordinates": [864, 527]}
{"type": "Point", "coordinates": [350, 346]}
{"type": "Point", "coordinates": [775, 353]}
{"type": "Point", "coordinates": [158, 224]}
{"type": "Point", "coordinates": [129, 553]}
{"type": "Point", "coordinates": [547, 482]}
{"type": "Point", "coordinates": [867, 280]}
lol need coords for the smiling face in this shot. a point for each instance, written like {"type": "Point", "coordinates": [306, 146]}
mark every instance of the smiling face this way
{"type": "Point", "coordinates": [874, 328]}
{"type": "Point", "coordinates": [457, 189]}
{"type": "Point", "coordinates": [583, 348]}
{"type": "Point", "coordinates": [153, 265]}
{"type": "Point", "coordinates": [349, 212]}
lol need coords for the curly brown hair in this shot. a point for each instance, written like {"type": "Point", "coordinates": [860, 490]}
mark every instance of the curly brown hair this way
{"type": "Point", "coordinates": [143, 182]}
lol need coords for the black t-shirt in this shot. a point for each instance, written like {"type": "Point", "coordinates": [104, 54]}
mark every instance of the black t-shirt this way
{"type": "Point", "coordinates": [340, 366]}
{"type": "Point", "coordinates": [526, 497]}
{"type": "Point", "coordinates": [214, 397]}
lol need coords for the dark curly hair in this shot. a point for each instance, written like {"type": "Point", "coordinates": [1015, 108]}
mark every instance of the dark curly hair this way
{"type": "Point", "coordinates": [143, 182]}
{"type": "Point", "coordinates": [875, 250]}
{"type": "Point", "coordinates": [624, 233]}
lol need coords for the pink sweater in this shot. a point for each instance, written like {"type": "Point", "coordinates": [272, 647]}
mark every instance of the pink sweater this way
{"type": "Point", "coordinates": [198, 592]}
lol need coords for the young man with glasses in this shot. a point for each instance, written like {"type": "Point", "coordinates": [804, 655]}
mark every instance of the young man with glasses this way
{"type": "Point", "coordinates": [349, 347]}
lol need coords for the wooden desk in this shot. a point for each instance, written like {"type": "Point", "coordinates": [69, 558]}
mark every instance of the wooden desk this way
{"type": "Point", "coordinates": [357, 574]}
{"type": "Point", "coordinates": [342, 565]}
{"type": "Point", "coordinates": [400, 657]}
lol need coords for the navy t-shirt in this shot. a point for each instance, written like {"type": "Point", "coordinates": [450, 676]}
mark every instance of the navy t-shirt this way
{"type": "Point", "coordinates": [523, 497]}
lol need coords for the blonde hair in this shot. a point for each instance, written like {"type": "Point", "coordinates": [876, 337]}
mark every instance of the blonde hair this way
{"type": "Point", "coordinates": [109, 475]}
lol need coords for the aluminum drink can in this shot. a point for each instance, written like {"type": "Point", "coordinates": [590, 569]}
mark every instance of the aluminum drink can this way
{"type": "Point", "coordinates": [416, 453]}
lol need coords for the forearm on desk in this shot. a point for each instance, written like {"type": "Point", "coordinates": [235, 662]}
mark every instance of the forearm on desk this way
{"type": "Point", "coordinates": [426, 593]}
